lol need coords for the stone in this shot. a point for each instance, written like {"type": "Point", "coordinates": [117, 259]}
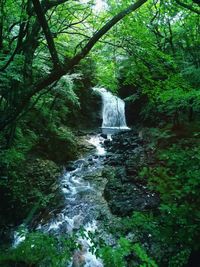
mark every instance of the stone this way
{"type": "Point", "coordinates": [123, 199]}
{"type": "Point", "coordinates": [70, 166]}
{"type": "Point", "coordinates": [125, 191]}
{"type": "Point", "coordinates": [103, 135]}
{"type": "Point", "coordinates": [107, 142]}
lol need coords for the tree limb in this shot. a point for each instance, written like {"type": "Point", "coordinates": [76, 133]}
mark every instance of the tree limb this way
{"type": "Point", "coordinates": [44, 24]}
{"type": "Point", "coordinates": [47, 4]}
{"type": "Point", "coordinates": [1, 22]}
{"type": "Point", "coordinates": [189, 7]}
{"type": "Point", "coordinates": [17, 48]}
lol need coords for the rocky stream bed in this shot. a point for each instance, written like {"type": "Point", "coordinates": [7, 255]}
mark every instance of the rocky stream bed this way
{"type": "Point", "coordinates": [125, 190]}
{"type": "Point", "coordinates": [98, 189]}
{"type": "Point", "coordinates": [101, 187]}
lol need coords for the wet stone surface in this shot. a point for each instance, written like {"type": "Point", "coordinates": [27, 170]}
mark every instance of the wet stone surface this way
{"type": "Point", "coordinates": [126, 190]}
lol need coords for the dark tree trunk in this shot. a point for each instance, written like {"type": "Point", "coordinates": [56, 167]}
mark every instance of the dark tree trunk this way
{"type": "Point", "coordinates": [176, 122]}
{"type": "Point", "coordinates": [44, 24]}
{"type": "Point", "coordinates": [1, 22]}
{"type": "Point", "coordinates": [194, 259]}
{"type": "Point", "coordinates": [10, 135]}
{"type": "Point", "coordinates": [171, 38]}
{"type": "Point", "coordinates": [191, 115]}
{"type": "Point", "coordinates": [29, 46]}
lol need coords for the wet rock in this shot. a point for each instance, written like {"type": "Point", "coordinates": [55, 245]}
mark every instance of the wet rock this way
{"type": "Point", "coordinates": [94, 176]}
{"type": "Point", "coordinates": [104, 135]}
{"type": "Point", "coordinates": [107, 142]}
{"type": "Point", "coordinates": [84, 146]}
{"type": "Point", "coordinates": [125, 191]}
{"type": "Point", "coordinates": [79, 162]}
{"type": "Point", "coordinates": [78, 259]}
{"type": "Point", "coordinates": [115, 160]}
{"type": "Point", "coordinates": [121, 173]}
{"type": "Point", "coordinates": [70, 166]}
{"type": "Point", "coordinates": [90, 159]}
{"type": "Point", "coordinates": [123, 199]}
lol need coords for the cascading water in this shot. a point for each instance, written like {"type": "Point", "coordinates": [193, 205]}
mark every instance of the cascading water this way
{"type": "Point", "coordinates": [113, 111]}
{"type": "Point", "coordinates": [84, 202]}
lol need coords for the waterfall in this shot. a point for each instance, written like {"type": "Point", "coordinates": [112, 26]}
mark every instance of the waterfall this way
{"type": "Point", "coordinates": [83, 190]}
{"type": "Point", "coordinates": [113, 111]}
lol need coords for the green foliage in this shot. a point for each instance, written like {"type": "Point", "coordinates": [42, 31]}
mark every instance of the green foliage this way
{"type": "Point", "coordinates": [117, 256]}
{"type": "Point", "coordinates": [176, 179]}
{"type": "Point", "coordinates": [13, 74]}
{"type": "Point", "coordinates": [180, 175]}
{"type": "Point", "coordinates": [11, 157]}
{"type": "Point", "coordinates": [65, 88]}
{"type": "Point", "coordinates": [106, 68]}
{"type": "Point", "coordinates": [154, 55]}
{"type": "Point", "coordinates": [192, 74]}
{"type": "Point", "coordinates": [146, 261]}
{"type": "Point", "coordinates": [176, 96]}
{"type": "Point", "coordinates": [42, 250]}
{"type": "Point", "coordinates": [180, 258]}
{"type": "Point", "coordinates": [59, 145]}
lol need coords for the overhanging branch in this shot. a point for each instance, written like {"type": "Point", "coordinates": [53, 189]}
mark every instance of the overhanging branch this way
{"type": "Point", "coordinates": [189, 7]}
{"type": "Point", "coordinates": [44, 24]}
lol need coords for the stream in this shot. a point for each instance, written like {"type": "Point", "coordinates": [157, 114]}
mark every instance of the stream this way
{"type": "Point", "coordinates": [83, 185]}
{"type": "Point", "coordinates": [84, 202]}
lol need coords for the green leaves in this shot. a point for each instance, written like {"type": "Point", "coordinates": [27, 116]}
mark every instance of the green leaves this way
{"type": "Point", "coordinates": [115, 256]}
{"type": "Point", "coordinates": [177, 182]}
{"type": "Point", "coordinates": [41, 249]}
{"type": "Point", "coordinates": [146, 260]}
{"type": "Point", "coordinates": [65, 88]}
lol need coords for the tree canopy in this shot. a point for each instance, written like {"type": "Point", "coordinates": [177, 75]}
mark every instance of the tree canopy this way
{"type": "Point", "coordinates": [32, 30]}
{"type": "Point", "coordinates": [52, 53]}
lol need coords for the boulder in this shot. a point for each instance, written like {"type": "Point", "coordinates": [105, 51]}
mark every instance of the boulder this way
{"type": "Point", "coordinates": [125, 191]}
{"type": "Point", "coordinates": [124, 198]}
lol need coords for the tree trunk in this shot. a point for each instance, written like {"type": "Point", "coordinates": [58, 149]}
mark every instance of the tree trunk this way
{"type": "Point", "coordinates": [1, 22]}
{"type": "Point", "coordinates": [44, 24]}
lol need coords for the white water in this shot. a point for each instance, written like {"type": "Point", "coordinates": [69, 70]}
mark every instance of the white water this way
{"type": "Point", "coordinates": [82, 201]}
{"type": "Point", "coordinates": [19, 235]}
{"type": "Point", "coordinates": [113, 111]}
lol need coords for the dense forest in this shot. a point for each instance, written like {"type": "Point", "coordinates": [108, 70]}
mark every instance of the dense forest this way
{"type": "Point", "coordinates": [52, 54]}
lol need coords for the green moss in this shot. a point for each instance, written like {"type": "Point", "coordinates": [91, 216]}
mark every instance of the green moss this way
{"type": "Point", "coordinates": [28, 183]}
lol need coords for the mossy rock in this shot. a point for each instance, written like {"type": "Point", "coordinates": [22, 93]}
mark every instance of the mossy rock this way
{"type": "Point", "coordinates": [59, 145]}
{"type": "Point", "coordinates": [32, 182]}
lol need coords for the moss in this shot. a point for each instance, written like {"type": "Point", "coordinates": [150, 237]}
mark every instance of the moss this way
{"type": "Point", "coordinates": [59, 145]}
{"type": "Point", "coordinates": [29, 183]}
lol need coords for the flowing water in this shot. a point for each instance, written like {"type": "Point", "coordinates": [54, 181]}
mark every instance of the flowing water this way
{"type": "Point", "coordinates": [83, 203]}
{"type": "Point", "coordinates": [83, 187]}
{"type": "Point", "coordinates": [113, 110]}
